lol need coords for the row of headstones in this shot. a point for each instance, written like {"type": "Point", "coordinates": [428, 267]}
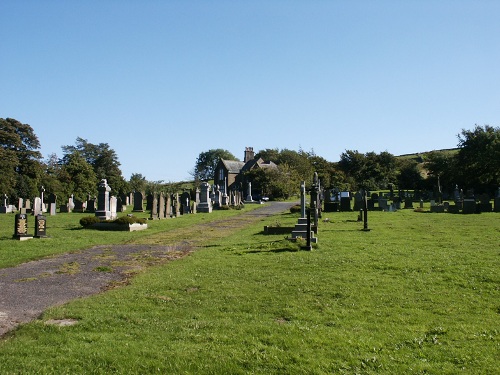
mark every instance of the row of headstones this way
{"type": "Point", "coordinates": [380, 202]}
{"type": "Point", "coordinates": [164, 207]}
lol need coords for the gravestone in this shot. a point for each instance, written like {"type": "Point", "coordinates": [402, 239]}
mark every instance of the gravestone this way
{"type": "Point", "coordinates": [161, 206]}
{"type": "Point", "coordinates": [21, 227]}
{"type": "Point", "coordinates": [79, 206]}
{"type": "Point", "coordinates": [103, 211]}
{"type": "Point", "coordinates": [497, 201]}
{"type": "Point", "coordinates": [382, 204]}
{"type": "Point", "coordinates": [40, 226]}
{"type": "Point", "coordinates": [119, 204]}
{"type": "Point", "coordinates": [113, 203]}
{"type": "Point", "coordinates": [205, 203]}
{"type": "Point", "coordinates": [138, 202]}
{"type": "Point", "coordinates": [469, 206]}
{"type": "Point", "coordinates": [345, 201]}
{"type": "Point", "coordinates": [91, 205]}
{"type": "Point", "coordinates": [28, 206]}
{"type": "Point", "coordinates": [249, 193]}
{"type": "Point", "coordinates": [154, 207]}
{"type": "Point", "coordinates": [358, 201]}
{"type": "Point", "coordinates": [168, 207]}
{"type": "Point", "coordinates": [484, 203]}
{"type": "Point", "coordinates": [4, 206]}
{"type": "Point", "coordinates": [37, 206]}
{"type": "Point", "coordinates": [185, 198]}
{"type": "Point", "coordinates": [177, 205]}
{"type": "Point", "coordinates": [149, 202]}
{"type": "Point", "coordinates": [408, 202]}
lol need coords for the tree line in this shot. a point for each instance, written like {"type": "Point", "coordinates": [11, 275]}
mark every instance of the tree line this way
{"type": "Point", "coordinates": [474, 164]}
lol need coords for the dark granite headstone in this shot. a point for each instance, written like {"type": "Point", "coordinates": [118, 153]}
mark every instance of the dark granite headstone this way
{"type": "Point", "coordinates": [21, 227]}
{"type": "Point", "coordinates": [40, 226]}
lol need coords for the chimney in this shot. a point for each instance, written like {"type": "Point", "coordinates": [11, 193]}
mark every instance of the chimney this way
{"type": "Point", "coordinates": [249, 154]}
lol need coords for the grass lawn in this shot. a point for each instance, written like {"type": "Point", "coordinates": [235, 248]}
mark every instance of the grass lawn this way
{"type": "Point", "coordinates": [419, 293]}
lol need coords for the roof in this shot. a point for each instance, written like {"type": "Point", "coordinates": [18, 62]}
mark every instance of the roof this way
{"type": "Point", "coordinates": [233, 166]}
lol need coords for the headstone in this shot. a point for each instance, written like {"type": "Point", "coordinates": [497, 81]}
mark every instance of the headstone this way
{"type": "Point", "coordinates": [113, 203]}
{"type": "Point", "coordinates": [249, 193]}
{"type": "Point", "coordinates": [358, 201]}
{"type": "Point", "coordinates": [4, 206]}
{"type": "Point", "coordinates": [91, 205]}
{"type": "Point", "coordinates": [205, 203]}
{"type": "Point", "coordinates": [185, 198]}
{"type": "Point", "coordinates": [161, 206]}
{"type": "Point", "coordinates": [168, 207]}
{"type": "Point", "coordinates": [497, 201]}
{"type": "Point", "coordinates": [177, 206]}
{"type": "Point", "coordinates": [382, 203]}
{"type": "Point", "coordinates": [79, 206]}
{"type": "Point", "coordinates": [103, 211]}
{"type": "Point", "coordinates": [37, 207]}
{"type": "Point", "coordinates": [408, 202]}
{"type": "Point", "coordinates": [345, 201]}
{"type": "Point", "coordinates": [40, 226]}
{"type": "Point", "coordinates": [469, 206]}
{"type": "Point", "coordinates": [484, 203]}
{"type": "Point", "coordinates": [138, 202]}
{"type": "Point", "coordinates": [303, 199]}
{"type": "Point", "coordinates": [149, 202]}
{"type": "Point", "coordinates": [154, 207]}
{"type": "Point", "coordinates": [119, 204]}
{"type": "Point", "coordinates": [27, 206]}
{"type": "Point", "coordinates": [21, 227]}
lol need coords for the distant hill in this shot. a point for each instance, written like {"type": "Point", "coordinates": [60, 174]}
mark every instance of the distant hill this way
{"type": "Point", "coordinates": [420, 156]}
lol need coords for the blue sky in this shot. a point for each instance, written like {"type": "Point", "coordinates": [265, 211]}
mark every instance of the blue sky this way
{"type": "Point", "coordinates": [162, 81]}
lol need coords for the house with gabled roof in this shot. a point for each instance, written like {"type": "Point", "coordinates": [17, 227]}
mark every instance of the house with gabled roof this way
{"type": "Point", "coordinates": [229, 173]}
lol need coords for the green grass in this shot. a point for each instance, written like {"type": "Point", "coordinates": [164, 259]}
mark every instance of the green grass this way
{"type": "Point", "coordinates": [419, 293]}
{"type": "Point", "coordinates": [67, 235]}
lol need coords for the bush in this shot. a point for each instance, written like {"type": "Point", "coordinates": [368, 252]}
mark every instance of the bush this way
{"type": "Point", "coordinates": [130, 220]}
{"type": "Point", "coordinates": [88, 221]}
{"type": "Point", "coordinates": [295, 209]}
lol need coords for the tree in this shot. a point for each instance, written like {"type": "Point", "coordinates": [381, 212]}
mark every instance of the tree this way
{"type": "Point", "coordinates": [20, 149]}
{"type": "Point", "coordinates": [137, 182]}
{"type": "Point", "coordinates": [207, 162]}
{"type": "Point", "coordinates": [479, 157]}
{"type": "Point", "coordinates": [442, 166]}
{"type": "Point", "coordinates": [409, 176]}
{"type": "Point", "coordinates": [78, 177]}
{"type": "Point", "coordinates": [103, 160]}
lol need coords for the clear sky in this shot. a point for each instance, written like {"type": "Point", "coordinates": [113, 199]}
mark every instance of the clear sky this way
{"type": "Point", "coordinates": [163, 81]}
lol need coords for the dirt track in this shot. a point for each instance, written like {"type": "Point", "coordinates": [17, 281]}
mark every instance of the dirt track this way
{"type": "Point", "coordinates": [30, 288]}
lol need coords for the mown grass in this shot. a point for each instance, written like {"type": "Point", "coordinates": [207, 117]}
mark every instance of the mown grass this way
{"type": "Point", "coordinates": [67, 235]}
{"type": "Point", "coordinates": [419, 293]}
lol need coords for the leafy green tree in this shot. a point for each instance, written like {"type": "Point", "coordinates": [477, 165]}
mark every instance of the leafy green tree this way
{"type": "Point", "coordinates": [78, 177]}
{"type": "Point", "coordinates": [479, 157]}
{"type": "Point", "coordinates": [20, 145]}
{"type": "Point", "coordinates": [8, 172]}
{"type": "Point", "coordinates": [137, 182]}
{"type": "Point", "coordinates": [409, 176]}
{"type": "Point", "coordinates": [206, 163]}
{"type": "Point", "coordinates": [103, 160]}
{"type": "Point", "coordinates": [442, 169]}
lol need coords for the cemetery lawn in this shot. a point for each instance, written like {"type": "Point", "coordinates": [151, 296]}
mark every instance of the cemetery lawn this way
{"type": "Point", "coordinates": [419, 293]}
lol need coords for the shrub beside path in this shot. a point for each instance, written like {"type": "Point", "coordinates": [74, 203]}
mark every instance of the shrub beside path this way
{"type": "Point", "coordinates": [30, 288]}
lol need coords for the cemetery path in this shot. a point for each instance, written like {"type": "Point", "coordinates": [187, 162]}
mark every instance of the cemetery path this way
{"type": "Point", "coordinates": [30, 288]}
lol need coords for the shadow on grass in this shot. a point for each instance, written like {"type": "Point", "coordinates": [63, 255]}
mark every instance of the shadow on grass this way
{"type": "Point", "coordinates": [282, 250]}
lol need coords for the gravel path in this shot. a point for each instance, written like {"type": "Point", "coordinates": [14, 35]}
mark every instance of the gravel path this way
{"type": "Point", "coordinates": [30, 288]}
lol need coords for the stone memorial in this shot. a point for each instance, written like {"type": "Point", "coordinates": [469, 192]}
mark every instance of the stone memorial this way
{"type": "Point", "coordinates": [205, 203]}
{"type": "Point", "coordinates": [154, 207]}
{"type": "Point", "coordinates": [138, 202]}
{"type": "Point", "coordinates": [21, 227]}
{"type": "Point", "coordinates": [497, 201]}
{"type": "Point", "coordinates": [103, 211]}
{"type": "Point", "coordinates": [40, 226]}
